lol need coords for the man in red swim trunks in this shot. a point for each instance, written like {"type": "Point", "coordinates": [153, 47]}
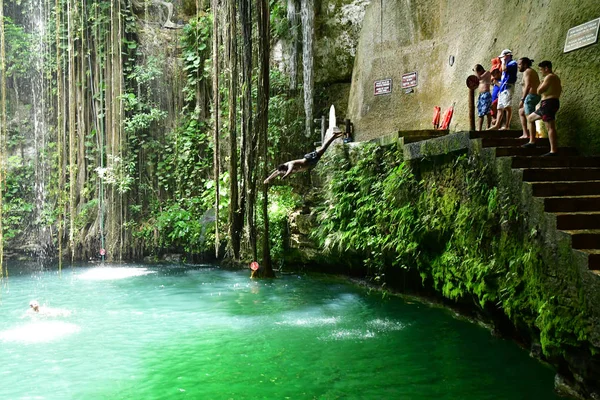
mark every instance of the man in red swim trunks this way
{"type": "Point", "coordinates": [550, 90]}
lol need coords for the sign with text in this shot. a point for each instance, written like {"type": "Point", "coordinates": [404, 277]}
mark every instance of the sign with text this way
{"type": "Point", "coordinates": [383, 86]}
{"type": "Point", "coordinates": [409, 80]}
{"type": "Point", "coordinates": [582, 35]}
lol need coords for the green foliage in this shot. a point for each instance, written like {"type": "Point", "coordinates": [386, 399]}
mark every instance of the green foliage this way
{"type": "Point", "coordinates": [17, 191]}
{"type": "Point", "coordinates": [196, 53]}
{"type": "Point", "coordinates": [280, 25]}
{"type": "Point", "coordinates": [184, 164]}
{"type": "Point", "coordinates": [454, 228]}
{"type": "Point", "coordinates": [186, 224]}
{"type": "Point", "coordinates": [19, 47]}
{"type": "Point", "coordinates": [282, 202]}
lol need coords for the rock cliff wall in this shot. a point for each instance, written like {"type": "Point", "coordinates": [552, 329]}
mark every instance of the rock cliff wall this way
{"type": "Point", "coordinates": [403, 36]}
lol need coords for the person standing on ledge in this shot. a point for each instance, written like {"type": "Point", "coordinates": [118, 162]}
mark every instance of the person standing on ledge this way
{"type": "Point", "coordinates": [507, 88]}
{"type": "Point", "coordinates": [496, 75]}
{"type": "Point", "coordinates": [530, 99]}
{"type": "Point", "coordinates": [484, 101]}
{"type": "Point", "coordinates": [550, 90]}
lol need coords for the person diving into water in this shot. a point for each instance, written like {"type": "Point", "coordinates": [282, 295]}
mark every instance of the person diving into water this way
{"type": "Point", "coordinates": [311, 159]}
{"type": "Point", "coordinates": [302, 164]}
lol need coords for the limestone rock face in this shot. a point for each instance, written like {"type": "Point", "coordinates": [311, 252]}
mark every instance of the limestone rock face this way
{"type": "Point", "coordinates": [339, 23]}
{"type": "Point", "coordinates": [423, 35]}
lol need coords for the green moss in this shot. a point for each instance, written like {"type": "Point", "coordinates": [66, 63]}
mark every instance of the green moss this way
{"type": "Point", "coordinates": [448, 221]}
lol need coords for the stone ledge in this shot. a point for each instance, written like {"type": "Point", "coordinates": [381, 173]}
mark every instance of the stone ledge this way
{"type": "Point", "coordinates": [439, 146]}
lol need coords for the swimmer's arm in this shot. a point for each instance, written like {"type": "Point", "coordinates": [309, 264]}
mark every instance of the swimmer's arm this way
{"type": "Point", "coordinates": [273, 175]}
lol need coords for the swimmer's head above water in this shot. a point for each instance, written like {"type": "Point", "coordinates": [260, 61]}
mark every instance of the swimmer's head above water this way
{"type": "Point", "coordinates": [34, 305]}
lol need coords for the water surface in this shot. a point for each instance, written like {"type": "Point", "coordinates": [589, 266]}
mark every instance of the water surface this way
{"type": "Point", "coordinates": [165, 332]}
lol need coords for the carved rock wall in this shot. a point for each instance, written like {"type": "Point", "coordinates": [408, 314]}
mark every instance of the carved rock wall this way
{"type": "Point", "coordinates": [421, 36]}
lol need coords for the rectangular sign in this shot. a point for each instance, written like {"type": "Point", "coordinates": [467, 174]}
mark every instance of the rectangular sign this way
{"type": "Point", "coordinates": [383, 86]}
{"type": "Point", "coordinates": [582, 35]}
{"type": "Point", "coordinates": [409, 80]}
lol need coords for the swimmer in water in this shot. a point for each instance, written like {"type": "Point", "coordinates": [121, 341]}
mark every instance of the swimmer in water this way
{"type": "Point", "coordinates": [34, 307]}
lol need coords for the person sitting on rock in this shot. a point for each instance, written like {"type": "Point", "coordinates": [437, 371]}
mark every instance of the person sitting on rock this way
{"type": "Point", "coordinates": [310, 160]}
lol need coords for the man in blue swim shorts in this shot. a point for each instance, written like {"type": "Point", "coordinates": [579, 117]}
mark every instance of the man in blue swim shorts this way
{"type": "Point", "coordinates": [484, 102]}
{"type": "Point", "coordinates": [530, 99]}
{"type": "Point", "coordinates": [550, 90]}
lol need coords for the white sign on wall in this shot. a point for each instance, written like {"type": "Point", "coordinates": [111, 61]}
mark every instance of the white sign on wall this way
{"type": "Point", "coordinates": [383, 86]}
{"type": "Point", "coordinates": [582, 35]}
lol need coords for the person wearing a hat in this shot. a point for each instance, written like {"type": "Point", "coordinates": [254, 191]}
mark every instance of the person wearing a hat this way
{"type": "Point", "coordinates": [507, 88]}
{"type": "Point", "coordinates": [310, 160]}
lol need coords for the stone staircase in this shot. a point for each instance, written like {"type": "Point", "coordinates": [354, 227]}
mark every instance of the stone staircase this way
{"type": "Point", "coordinates": [568, 185]}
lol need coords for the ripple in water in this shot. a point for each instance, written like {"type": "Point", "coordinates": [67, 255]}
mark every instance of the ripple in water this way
{"type": "Point", "coordinates": [310, 321]}
{"type": "Point", "coordinates": [39, 332]}
{"type": "Point", "coordinates": [385, 325]}
{"type": "Point", "coordinates": [349, 334]}
{"type": "Point", "coordinates": [111, 273]}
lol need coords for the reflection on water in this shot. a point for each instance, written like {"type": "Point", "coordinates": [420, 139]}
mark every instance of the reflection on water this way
{"type": "Point", "coordinates": [38, 332]}
{"type": "Point", "coordinates": [113, 273]}
{"type": "Point", "coordinates": [162, 332]}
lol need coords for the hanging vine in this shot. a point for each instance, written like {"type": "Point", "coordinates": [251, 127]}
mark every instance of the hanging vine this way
{"type": "Point", "coordinates": [3, 152]}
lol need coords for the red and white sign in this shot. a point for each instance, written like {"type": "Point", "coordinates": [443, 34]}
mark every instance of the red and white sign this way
{"type": "Point", "coordinates": [409, 80]}
{"type": "Point", "coordinates": [383, 86]}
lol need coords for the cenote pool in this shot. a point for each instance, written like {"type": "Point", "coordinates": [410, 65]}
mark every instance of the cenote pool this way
{"type": "Point", "coordinates": [166, 332]}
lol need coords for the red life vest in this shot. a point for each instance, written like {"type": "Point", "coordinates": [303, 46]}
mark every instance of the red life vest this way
{"type": "Point", "coordinates": [447, 118]}
{"type": "Point", "coordinates": [436, 117]}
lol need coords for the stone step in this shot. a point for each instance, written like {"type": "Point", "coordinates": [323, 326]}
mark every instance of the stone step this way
{"type": "Point", "coordinates": [536, 151]}
{"type": "Point", "coordinates": [561, 174]}
{"type": "Point", "coordinates": [585, 239]}
{"type": "Point", "coordinates": [513, 142]}
{"type": "Point", "coordinates": [593, 259]}
{"type": "Point", "coordinates": [554, 162]}
{"type": "Point", "coordinates": [570, 188]}
{"type": "Point", "coordinates": [413, 139]}
{"type": "Point", "coordinates": [572, 204]}
{"type": "Point", "coordinates": [513, 133]}
{"type": "Point", "coordinates": [578, 220]}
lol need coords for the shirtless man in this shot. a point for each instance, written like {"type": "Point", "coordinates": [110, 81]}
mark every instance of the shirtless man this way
{"type": "Point", "coordinates": [484, 102]}
{"type": "Point", "coordinates": [550, 90]}
{"type": "Point", "coordinates": [530, 99]}
{"type": "Point", "coordinates": [310, 160]}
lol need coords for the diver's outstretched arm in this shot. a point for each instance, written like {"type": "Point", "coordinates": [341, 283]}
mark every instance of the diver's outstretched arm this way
{"type": "Point", "coordinates": [273, 175]}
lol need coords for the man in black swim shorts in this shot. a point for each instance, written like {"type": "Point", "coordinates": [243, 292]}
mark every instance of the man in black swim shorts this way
{"type": "Point", "coordinates": [310, 160]}
{"type": "Point", "coordinates": [550, 89]}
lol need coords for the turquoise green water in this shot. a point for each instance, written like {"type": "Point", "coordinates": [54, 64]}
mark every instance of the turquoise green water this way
{"type": "Point", "coordinates": [147, 332]}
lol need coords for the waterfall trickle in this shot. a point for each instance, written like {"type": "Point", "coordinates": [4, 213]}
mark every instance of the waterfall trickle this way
{"type": "Point", "coordinates": [292, 16]}
{"type": "Point", "coordinates": [39, 109]}
{"type": "Point", "coordinates": [307, 11]}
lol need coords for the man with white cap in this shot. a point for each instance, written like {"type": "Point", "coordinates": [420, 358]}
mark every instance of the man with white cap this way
{"type": "Point", "coordinates": [507, 87]}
